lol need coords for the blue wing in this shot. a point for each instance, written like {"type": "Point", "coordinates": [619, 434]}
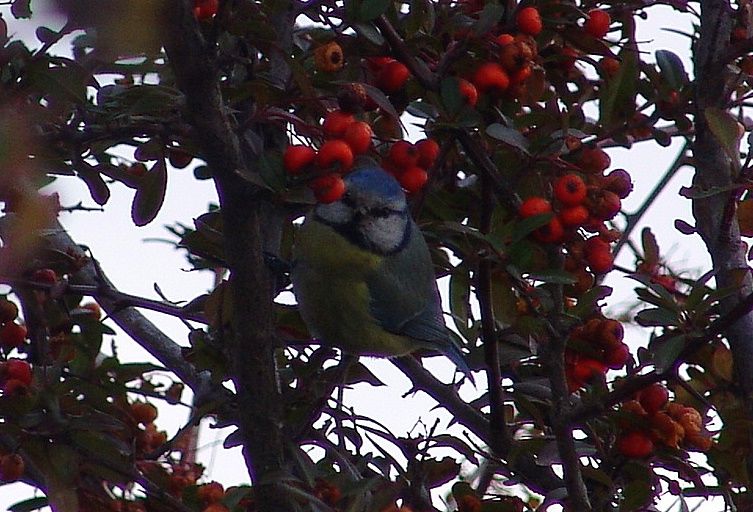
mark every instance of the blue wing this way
{"type": "Point", "coordinates": [404, 299]}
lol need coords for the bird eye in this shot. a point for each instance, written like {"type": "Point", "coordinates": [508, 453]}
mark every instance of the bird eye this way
{"type": "Point", "coordinates": [381, 212]}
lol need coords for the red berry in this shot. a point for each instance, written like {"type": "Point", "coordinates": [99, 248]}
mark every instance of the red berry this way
{"type": "Point", "coordinates": [336, 122]}
{"type": "Point", "coordinates": [551, 233]}
{"type": "Point", "coordinates": [619, 182]}
{"type": "Point", "coordinates": [636, 445]}
{"type": "Point", "coordinates": [12, 335]}
{"type": "Point", "coordinates": [94, 310]}
{"type": "Point", "coordinates": [14, 387]}
{"type": "Point", "coordinates": [570, 190]}
{"type": "Point", "coordinates": [587, 369]}
{"type": "Point", "coordinates": [45, 275]}
{"type": "Point", "coordinates": [597, 23]}
{"type": "Point", "coordinates": [491, 76]}
{"type": "Point", "coordinates": [593, 160]}
{"type": "Point", "coordinates": [610, 66]}
{"type": "Point", "coordinates": [534, 206]}
{"type": "Point", "coordinates": [392, 76]}
{"type": "Point", "coordinates": [605, 205]}
{"type": "Point", "coordinates": [428, 152]}
{"type": "Point", "coordinates": [335, 152]}
{"type": "Point", "coordinates": [529, 21]}
{"type": "Point", "coordinates": [12, 467]}
{"type": "Point", "coordinates": [598, 255]}
{"type": "Point", "coordinates": [469, 92]}
{"type": "Point", "coordinates": [358, 137]}
{"type": "Point", "coordinates": [205, 9]}
{"type": "Point", "coordinates": [378, 63]}
{"type": "Point", "coordinates": [573, 216]}
{"type": "Point", "coordinates": [617, 357]}
{"type": "Point", "coordinates": [179, 158]}
{"type": "Point", "coordinates": [328, 188]}
{"type": "Point", "coordinates": [504, 39]}
{"type": "Point", "coordinates": [297, 158]}
{"type": "Point", "coordinates": [653, 398]}
{"type": "Point", "coordinates": [8, 311]}
{"type": "Point", "coordinates": [143, 412]}
{"type": "Point", "coordinates": [413, 179]}
{"type": "Point", "coordinates": [18, 369]}
{"type": "Point", "coordinates": [403, 154]}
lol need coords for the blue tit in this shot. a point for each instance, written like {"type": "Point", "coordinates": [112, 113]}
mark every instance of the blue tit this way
{"type": "Point", "coordinates": [363, 276]}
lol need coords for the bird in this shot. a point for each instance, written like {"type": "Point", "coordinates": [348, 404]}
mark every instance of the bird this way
{"type": "Point", "coordinates": [363, 277]}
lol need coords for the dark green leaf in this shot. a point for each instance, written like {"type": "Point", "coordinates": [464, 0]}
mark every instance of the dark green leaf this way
{"type": "Point", "coordinates": [490, 16]}
{"type": "Point", "coordinates": [509, 136]}
{"type": "Point", "coordinates": [617, 103]}
{"type": "Point", "coordinates": [450, 93]}
{"type": "Point", "coordinates": [369, 32]}
{"type": "Point", "coordinates": [98, 189]}
{"type": "Point", "coordinates": [672, 69]}
{"type": "Point", "coordinates": [666, 350]}
{"type": "Point", "coordinates": [21, 8]}
{"type": "Point", "coordinates": [29, 505]}
{"type": "Point", "coordinates": [371, 9]}
{"type": "Point", "coordinates": [656, 317]}
{"type": "Point", "coordinates": [150, 194]}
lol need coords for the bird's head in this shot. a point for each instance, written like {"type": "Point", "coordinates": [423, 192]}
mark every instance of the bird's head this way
{"type": "Point", "coordinates": [373, 212]}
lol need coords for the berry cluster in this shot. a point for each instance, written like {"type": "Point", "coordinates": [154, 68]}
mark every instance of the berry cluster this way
{"type": "Point", "coordinates": [582, 203]}
{"type": "Point", "coordinates": [346, 138]}
{"type": "Point", "coordinates": [15, 377]}
{"type": "Point", "coordinates": [592, 349]}
{"type": "Point", "coordinates": [652, 419]}
{"type": "Point", "coordinates": [12, 334]}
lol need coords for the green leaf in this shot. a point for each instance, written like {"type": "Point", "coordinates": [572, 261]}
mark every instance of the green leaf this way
{"type": "Point", "coordinates": [150, 194]}
{"type": "Point", "coordinates": [369, 32]}
{"type": "Point", "coordinates": [672, 69]}
{"type": "Point", "coordinates": [617, 101]}
{"type": "Point", "coordinates": [725, 129]}
{"type": "Point", "coordinates": [666, 350]}
{"type": "Point", "coordinates": [29, 505]}
{"type": "Point", "coordinates": [554, 276]}
{"type": "Point", "coordinates": [371, 9]}
{"type": "Point", "coordinates": [528, 225]}
{"type": "Point", "coordinates": [450, 94]}
{"type": "Point", "coordinates": [509, 136]}
{"type": "Point", "coordinates": [490, 16]}
{"type": "Point", "coordinates": [657, 317]}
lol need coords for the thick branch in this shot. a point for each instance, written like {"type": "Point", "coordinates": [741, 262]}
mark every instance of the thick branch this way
{"type": "Point", "coordinates": [714, 168]}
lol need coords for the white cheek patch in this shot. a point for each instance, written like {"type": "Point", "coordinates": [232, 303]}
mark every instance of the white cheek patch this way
{"type": "Point", "coordinates": [384, 233]}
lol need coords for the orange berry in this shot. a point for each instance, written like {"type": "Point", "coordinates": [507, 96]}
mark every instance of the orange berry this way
{"type": "Point", "coordinates": [358, 137]}
{"type": "Point", "coordinates": [605, 205]}
{"type": "Point", "coordinates": [413, 179]}
{"type": "Point", "coordinates": [336, 122]}
{"type": "Point", "coordinates": [216, 507]}
{"type": "Point", "coordinates": [205, 9]}
{"type": "Point", "coordinates": [18, 369]}
{"type": "Point", "coordinates": [428, 152]}
{"type": "Point", "coordinates": [328, 188]}
{"type": "Point", "coordinates": [211, 492]}
{"type": "Point", "coordinates": [635, 445]}
{"type": "Point", "coordinates": [403, 154]}
{"type": "Point", "coordinates": [468, 91]}
{"type": "Point", "coordinates": [12, 335]}
{"type": "Point", "coordinates": [573, 216]}
{"type": "Point", "coordinates": [94, 310]}
{"type": "Point", "coordinates": [534, 206]}
{"type": "Point", "coordinates": [296, 159]}
{"type": "Point", "coordinates": [329, 57]}
{"type": "Point", "coordinates": [587, 369]}
{"type": "Point", "coordinates": [491, 76]}
{"type": "Point", "coordinates": [378, 63]}
{"type": "Point", "coordinates": [570, 189]}
{"type": "Point", "coordinates": [597, 23]}
{"type": "Point", "coordinates": [529, 21]}
{"type": "Point", "coordinates": [392, 76]}
{"type": "Point", "coordinates": [335, 152]}
{"type": "Point", "coordinates": [598, 255]}
{"type": "Point", "coordinates": [653, 398]}
{"type": "Point", "coordinates": [14, 387]}
{"type": "Point", "coordinates": [521, 75]}
{"type": "Point", "coordinates": [143, 412]}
